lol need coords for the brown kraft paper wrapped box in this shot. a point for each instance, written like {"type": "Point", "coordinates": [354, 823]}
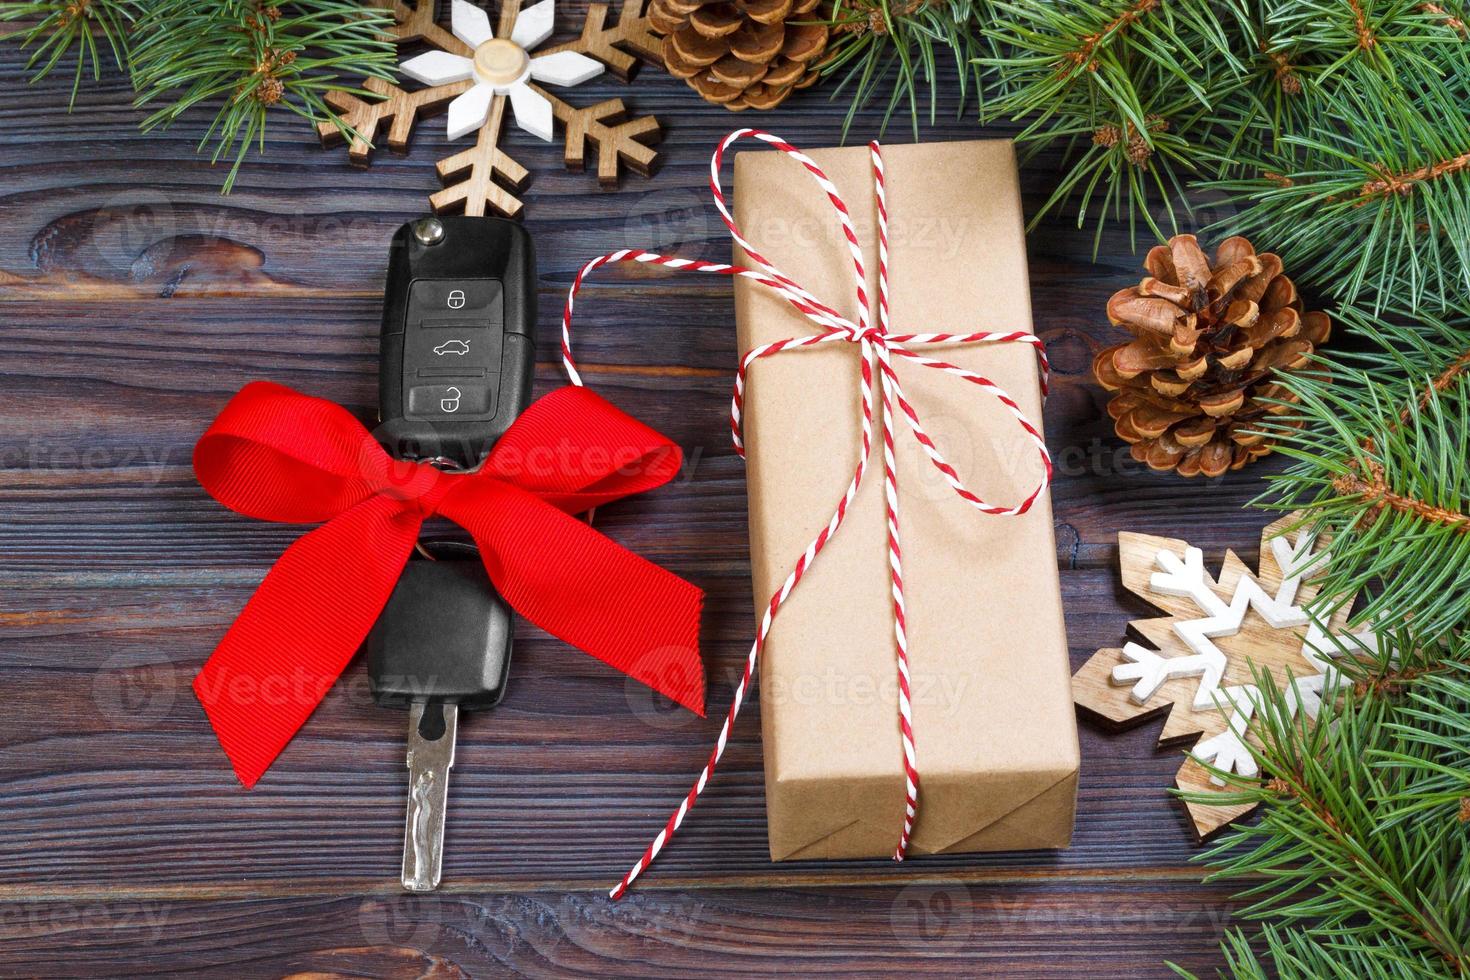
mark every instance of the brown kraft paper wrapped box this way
{"type": "Point", "coordinates": [994, 728]}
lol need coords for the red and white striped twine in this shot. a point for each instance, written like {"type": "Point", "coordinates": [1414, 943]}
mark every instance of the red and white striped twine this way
{"type": "Point", "coordinates": [878, 347]}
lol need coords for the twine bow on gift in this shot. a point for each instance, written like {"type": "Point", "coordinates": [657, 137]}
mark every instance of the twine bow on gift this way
{"type": "Point", "coordinates": [878, 346]}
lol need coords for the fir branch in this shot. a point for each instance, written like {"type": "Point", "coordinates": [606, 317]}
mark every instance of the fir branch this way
{"type": "Point", "coordinates": [1099, 78]}
{"type": "Point", "coordinates": [1381, 467]}
{"type": "Point", "coordinates": [1378, 206]}
{"type": "Point", "coordinates": [1339, 128]}
{"type": "Point", "coordinates": [1444, 17]}
{"type": "Point", "coordinates": [1119, 172]}
{"type": "Point", "coordinates": [1361, 859]}
{"type": "Point", "coordinates": [878, 43]}
{"type": "Point", "coordinates": [1105, 56]}
{"type": "Point", "coordinates": [63, 26]}
{"type": "Point", "coordinates": [1293, 955]}
{"type": "Point", "coordinates": [1404, 183]}
{"type": "Point", "coordinates": [258, 56]}
{"type": "Point", "coordinates": [1358, 865]}
{"type": "Point", "coordinates": [1380, 37]}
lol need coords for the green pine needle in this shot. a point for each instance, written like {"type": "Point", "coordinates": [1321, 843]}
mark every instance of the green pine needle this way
{"type": "Point", "coordinates": [1381, 466]}
{"type": "Point", "coordinates": [1376, 207]}
{"type": "Point", "coordinates": [60, 27]}
{"type": "Point", "coordinates": [1359, 865]}
{"type": "Point", "coordinates": [899, 46]}
{"type": "Point", "coordinates": [243, 56]}
{"type": "Point", "coordinates": [1339, 129]}
{"type": "Point", "coordinates": [1126, 86]}
{"type": "Point", "coordinates": [258, 58]}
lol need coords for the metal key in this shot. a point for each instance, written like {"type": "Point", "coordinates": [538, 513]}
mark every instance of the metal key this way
{"type": "Point", "coordinates": [442, 644]}
{"type": "Point", "coordinates": [430, 757]}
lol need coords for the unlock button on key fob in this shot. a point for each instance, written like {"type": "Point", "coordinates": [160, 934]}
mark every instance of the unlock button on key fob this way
{"type": "Point", "coordinates": [450, 399]}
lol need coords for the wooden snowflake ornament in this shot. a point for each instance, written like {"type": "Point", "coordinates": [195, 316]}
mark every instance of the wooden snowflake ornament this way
{"type": "Point", "coordinates": [1199, 669]}
{"type": "Point", "coordinates": [477, 71]}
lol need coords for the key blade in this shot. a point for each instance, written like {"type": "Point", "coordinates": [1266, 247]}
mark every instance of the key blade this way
{"type": "Point", "coordinates": [429, 762]}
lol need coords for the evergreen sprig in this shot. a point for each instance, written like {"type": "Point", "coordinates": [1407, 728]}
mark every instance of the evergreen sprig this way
{"type": "Point", "coordinates": [1325, 38]}
{"type": "Point", "coordinates": [1340, 129]}
{"type": "Point", "coordinates": [258, 57]}
{"type": "Point", "coordinates": [246, 56]}
{"type": "Point", "coordinates": [1129, 88]}
{"type": "Point", "coordinates": [1376, 206]}
{"type": "Point", "coordinates": [900, 45]}
{"type": "Point", "coordinates": [59, 26]}
{"type": "Point", "coordinates": [1332, 122]}
{"type": "Point", "coordinates": [1381, 467]}
{"type": "Point", "coordinates": [1360, 863]}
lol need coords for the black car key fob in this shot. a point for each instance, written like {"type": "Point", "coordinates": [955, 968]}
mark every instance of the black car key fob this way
{"type": "Point", "coordinates": [441, 646]}
{"type": "Point", "coordinates": [457, 347]}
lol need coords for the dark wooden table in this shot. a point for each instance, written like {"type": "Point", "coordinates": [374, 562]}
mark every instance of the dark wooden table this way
{"type": "Point", "coordinates": [137, 300]}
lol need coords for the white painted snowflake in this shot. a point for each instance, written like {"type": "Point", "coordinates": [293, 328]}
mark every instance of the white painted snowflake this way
{"type": "Point", "coordinates": [482, 79]}
{"type": "Point", "coordinates": [502, 66]}
{"type": "Point", "coordinates": [1211, 646]}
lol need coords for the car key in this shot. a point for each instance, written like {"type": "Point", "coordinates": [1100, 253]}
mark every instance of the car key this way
{"type": "Point", "coordinates": [441, 646]}
{"type": "Point", "coordinates": [455, 369]}
{"type": "Point", "coordinates": [457, 346]}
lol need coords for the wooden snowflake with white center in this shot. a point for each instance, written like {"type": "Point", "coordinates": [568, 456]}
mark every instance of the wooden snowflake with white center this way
{"type": "Point", "coordinates": [1200, 669]}
{"type": "Point", "coordinates": [476, 71]}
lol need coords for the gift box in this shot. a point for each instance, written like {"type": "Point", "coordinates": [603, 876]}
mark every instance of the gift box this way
{"type": "Point", "coordinates": [993, 723]}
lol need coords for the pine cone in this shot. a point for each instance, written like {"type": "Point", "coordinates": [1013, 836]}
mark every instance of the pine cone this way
{"type": "Point", "coordinates": [741, 54]}
{"type": "Point", "coordinates": [1192, 384]}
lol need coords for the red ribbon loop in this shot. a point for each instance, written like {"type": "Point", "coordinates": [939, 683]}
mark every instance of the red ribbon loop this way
{"type": "Point", "coordinates": [277, 455]}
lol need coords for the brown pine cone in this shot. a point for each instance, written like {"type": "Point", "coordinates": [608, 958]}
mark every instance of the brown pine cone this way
{"type": "Point", "coordinates": [1193, 383]}
{"type": "Point", "coordinates": [742, 54]}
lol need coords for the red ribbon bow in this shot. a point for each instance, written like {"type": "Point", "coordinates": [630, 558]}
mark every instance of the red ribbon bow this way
{"type": "Point", "coordinates": [278, 455]}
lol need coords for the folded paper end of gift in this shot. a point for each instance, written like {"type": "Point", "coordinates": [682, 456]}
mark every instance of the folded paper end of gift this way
{"type": "Point", "coordinates": [815, 819]}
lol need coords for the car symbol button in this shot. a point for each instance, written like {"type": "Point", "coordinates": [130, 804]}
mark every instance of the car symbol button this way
{"type": "Point", "coordinates": [452, 348]}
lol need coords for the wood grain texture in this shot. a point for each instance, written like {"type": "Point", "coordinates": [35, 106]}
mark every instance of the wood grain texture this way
{"type": "Point", "coordinates": [941, 926]}
{"type": "Point", "coordinates": [137, 299]}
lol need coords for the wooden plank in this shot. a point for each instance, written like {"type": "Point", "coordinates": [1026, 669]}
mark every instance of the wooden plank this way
{"type": "Point", "coordinates": [564, 782]}
{"type": "Point", "coordinates": [103, 406]}
{"type": "Point", "coordinates": [91, 207]}
{"type": "Point", "coordinates": [1117, 928]}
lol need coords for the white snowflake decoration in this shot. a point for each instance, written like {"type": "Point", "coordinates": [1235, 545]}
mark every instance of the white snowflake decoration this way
{"type": "Point", "coordinates": [1202, 658]}
{"type": "Point", "coordinates": [482, 79]}
{"type": "Point", "coordinates": [1227, 750]}
{"type": "Point", "coordinates": [502, 66]}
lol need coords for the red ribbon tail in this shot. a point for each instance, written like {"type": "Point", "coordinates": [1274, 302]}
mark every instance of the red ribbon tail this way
{"type": "Point", "coordinates": [300, 629]}
{"type": "Point", "coordinates": [585, 588]}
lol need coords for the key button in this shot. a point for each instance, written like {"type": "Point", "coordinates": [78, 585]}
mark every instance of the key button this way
{"type": "Point", "coordinates": [449, 400]}
{"type": "Point", "coordinates": [451, 297]}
